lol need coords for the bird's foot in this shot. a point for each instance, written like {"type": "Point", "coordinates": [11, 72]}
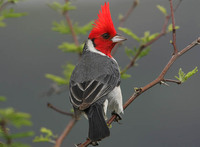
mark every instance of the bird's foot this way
{"type": "Point", "coordinates": [118, 117]}
{"type": "Point", "coordinates": [95, 143]}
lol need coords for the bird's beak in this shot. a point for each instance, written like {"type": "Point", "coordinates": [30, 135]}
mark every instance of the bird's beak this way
{"type": "Point", "coordinates": [118, 38]}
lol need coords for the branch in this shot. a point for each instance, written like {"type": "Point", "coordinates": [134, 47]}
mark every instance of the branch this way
{"type": "Point", "coordinates": [60, 111]}
{"type": "Point", "coordinates": [150, 85]}
{"type": "Point", "coordinates": [173, 28]}
{"type": "Point", "coordinates": [74, 36]}
{"type": "Point", "coordinates": [172, 81]}
{"type": "Point", "coordinates": [4, 5]}
{"type": "Point", "coordinates": [5, 132]}
{"type": "Point", "coordinates": [143, 46]}
{"type": "Point", "coordinates": [65, 132]}
{"type": "Point", "coordinates": [130, 10]}
{"type": "Point", "coordinates": [122, 20]}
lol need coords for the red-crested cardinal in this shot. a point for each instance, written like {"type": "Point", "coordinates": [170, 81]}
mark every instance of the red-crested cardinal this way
{"type": "Point", "coordinates": [95, 81]}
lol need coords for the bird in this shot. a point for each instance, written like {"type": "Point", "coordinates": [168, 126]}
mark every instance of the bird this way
{"type": "Point", "coordinates": [95, 81]}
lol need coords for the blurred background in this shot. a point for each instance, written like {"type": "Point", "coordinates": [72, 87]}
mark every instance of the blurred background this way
{"type": "Point", "coordinates": [161, 117]}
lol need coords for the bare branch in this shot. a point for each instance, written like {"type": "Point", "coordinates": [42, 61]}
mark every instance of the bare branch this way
{"type": "Point", "coordinates": [74, 36]}
{"type": "Point", "coordinates": [4, 5]}
{"type": "Point", "coordinates": [65, 132]}
{"type": "Point", "coordinates": [172, 81]}
{"type": "Point", "coordinates": [173, 28]}
{"type": "Point", "coordinates": [130, 10]}
{"type": "Point", "coordinates": [5, 132]}
{"type": "Point", "coordinates": [60, 111]}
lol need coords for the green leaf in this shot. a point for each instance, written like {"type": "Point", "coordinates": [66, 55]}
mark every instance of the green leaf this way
{"type": "Point", "coordinates": [130, 53]}
{"type": "Point", "coordinates": [162, 9]}
{"type": "Point", "coordinates": [120, 17]}
{"type": "Point", "coordinates": [170, 28]}
{"type": "Point", "coordinates": [16, 144]}
{"type": "Point", "coordinates": [57, 79]}
{"type": "Point", "coordinates": [130, 33]}
{"type": "Point", "coordinates": [63, 28]}
{"type": "Point", "coordinates": [144, 52]}
{"type": "Point", "coordinates": [62, 7]}
{"type": "Point", "coordinates": [125, 76]}
{"type": "Point", "coordinates": [70, 47]}
{"type": "Point", "coordinates": [153, 36]}
{"type": "Point", "coordinates": [68, 69]}
{"type": "Point", "coordinates": [2, 24]}
{"type": "Point", "coordinates": [11, 14]}
{"type": "Point", "coordinates": [17, 119]}
{"type": "Point", "coordinates": [21, 135]}
{"type": "Point", "coordinates": [48, 136]}
{"type": "Point", "coordinates": [2, 98]}
{"type": "Point", "coordinates": [82, 29]}
{"type": "Point", "coordinates": [183, 77]}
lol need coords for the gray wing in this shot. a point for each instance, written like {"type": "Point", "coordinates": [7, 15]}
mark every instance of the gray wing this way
{"type": "Point", "coordinates": [86, 89]}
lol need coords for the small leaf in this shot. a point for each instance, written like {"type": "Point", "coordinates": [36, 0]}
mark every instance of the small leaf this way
{"type": "Point", "coordinates": [170, 28]}
{"type": "Point", "coordinates": [57, 79]}
{"type": "Point", "coordinates": [11, 14]}
{"type": "Point", "coordinates": [183, 77]}
{"type": "Point", "coordinates": [61, 27]}
{"type": "Point", "coordinates": [68, 69]}
{"type": "Point", "coordinates": [130, 33]}
{"type": "Point", "coordinates": [125, 76]}
{"type": "Point", "coordinates": [153, 36]}
{"type": "Point", "coordinates": [49, 136]}
{"type": "Point", "coordinates": [61, 7]}
{"type": "Point", "coordinates": [70, 47]}
{"type": "Point", "coordinates": [48, 132]}
{"type": "Point", "coordinates": [120, 17]}
{"type": "Point", "coordinates": [162, 9]}
{"type": "Point", "coordinates": [129, 52]}
{"type": "Point", "coordinates": [22, 135]}
{"type": "Point", "coordinates": [2, 98]}
{"type": "Point", "coordinates": [16, 144]}
{"type": "Point", "coordinates": [191, 73]}
{"type": "Point", "coordinates": [2, 24]}
{"type": "Point", "coordinates": [17, 119]}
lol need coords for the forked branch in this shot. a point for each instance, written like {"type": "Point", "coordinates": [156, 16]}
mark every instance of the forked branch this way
{"type": "Point", "coordinates": [160, 78]}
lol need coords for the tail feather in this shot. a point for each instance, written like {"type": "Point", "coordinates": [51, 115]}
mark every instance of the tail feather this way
{"type": "Point", "coordinates": [98, 128]}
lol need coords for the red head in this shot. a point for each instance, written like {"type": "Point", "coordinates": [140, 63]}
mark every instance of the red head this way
{"type": "Point", "coordinates": [103, 34]}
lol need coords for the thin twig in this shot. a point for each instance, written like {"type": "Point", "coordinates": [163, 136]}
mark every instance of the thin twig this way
{"type": "Point", "coordinates": [74, 36]}
{"type": "Point", "coordinates": [173, 28]}
{"type": "Point", "coordinates": [5, 132]}
{"type": "Point", "coordinates": [130, 10]}
{"type": "Point", "coordinates": [65, 132]}
{"type": "Point", "coordinates": [172, 81]}
{"type": "Point", "coordinates": [143, 46]}
{"type": "Point", "coordinates": [60, 111]}
{"type": "Point", "coordinates": [122, 21]}
{"type": "Point", "coordinates": [4, 5]}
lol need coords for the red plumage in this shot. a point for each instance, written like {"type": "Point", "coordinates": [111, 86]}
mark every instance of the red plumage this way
{"type": "Point", "coordinates": [102, 25]}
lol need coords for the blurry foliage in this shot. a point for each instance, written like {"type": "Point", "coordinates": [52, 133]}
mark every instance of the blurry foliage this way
{"type": "Point", "coordinates": [68, 68]}
{"type": "Point", "coordinates": [63, 27]}
{"type": "Point", "coordinates": [8, 12]}
{"type": "Point", "coordinates": [162, 9]}
{"type": "Point", "coordinates": [11, 118]}
{"type": "Point", "coordinates": [46, 136]}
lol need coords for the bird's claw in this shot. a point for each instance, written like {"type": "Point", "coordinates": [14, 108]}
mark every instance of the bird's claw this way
{"type": "Point", "coordinates": [118, 116]}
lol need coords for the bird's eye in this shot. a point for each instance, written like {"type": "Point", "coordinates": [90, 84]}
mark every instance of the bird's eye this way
{"type": "Point", "coordinates": [106, 36]}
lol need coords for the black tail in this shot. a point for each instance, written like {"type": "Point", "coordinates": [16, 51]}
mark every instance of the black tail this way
{"type": "Point", "coordinates": [98, 128]}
